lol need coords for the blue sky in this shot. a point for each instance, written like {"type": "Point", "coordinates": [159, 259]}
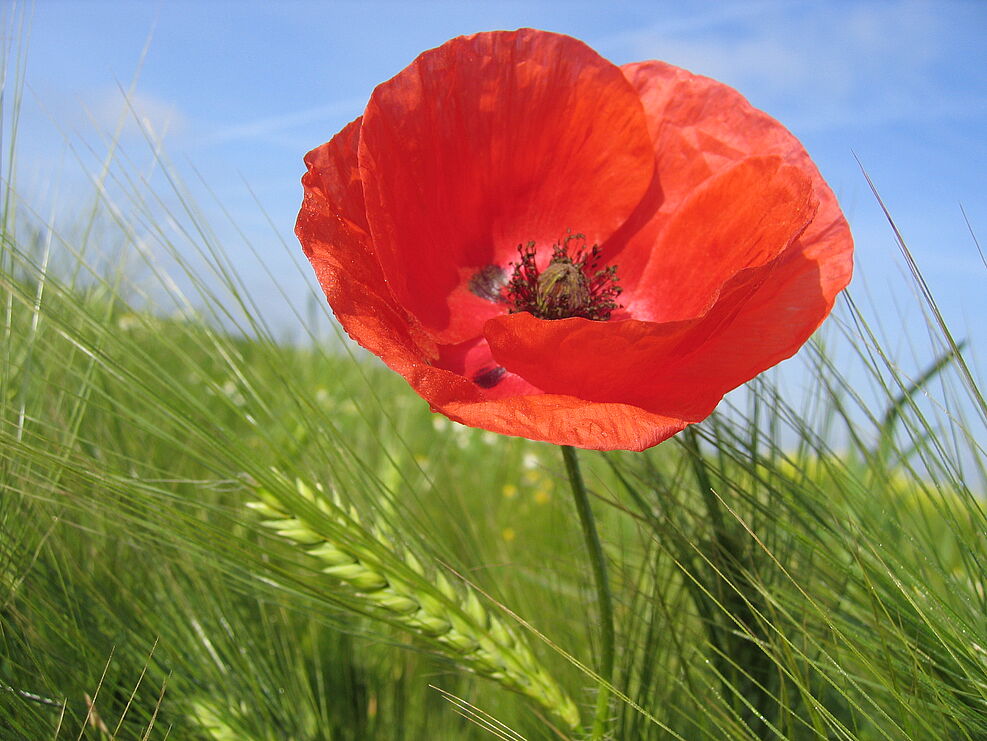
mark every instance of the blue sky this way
{"type": "Point", "coordinates": [239, 91]}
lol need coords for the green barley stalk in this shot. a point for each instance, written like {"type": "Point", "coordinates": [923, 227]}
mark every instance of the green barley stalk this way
{"type": "Point", "coordinates": [451, 618]}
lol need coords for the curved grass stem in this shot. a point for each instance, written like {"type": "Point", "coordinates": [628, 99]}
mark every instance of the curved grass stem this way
{"type": "Point", "coordinates": [603, 596]}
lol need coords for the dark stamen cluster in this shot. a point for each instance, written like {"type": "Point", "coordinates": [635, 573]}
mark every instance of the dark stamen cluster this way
{"type": "Point", "coordinates": [572, 285]}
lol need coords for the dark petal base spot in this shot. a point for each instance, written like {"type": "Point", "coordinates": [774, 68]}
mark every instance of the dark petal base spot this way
{"type": "Point", "coordinates": [488, 282]}
{"type": "Point", "coordinates": [489, 377]}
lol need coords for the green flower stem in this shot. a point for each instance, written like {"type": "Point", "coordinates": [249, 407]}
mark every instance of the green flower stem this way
{"type": "Point", "coordinates": [603, 597]}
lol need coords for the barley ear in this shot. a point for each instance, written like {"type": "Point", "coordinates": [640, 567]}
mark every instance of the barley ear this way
{"type": "Point", "coordinates": [410, 594]}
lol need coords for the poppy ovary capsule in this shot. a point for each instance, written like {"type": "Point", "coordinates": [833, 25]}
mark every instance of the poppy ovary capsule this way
{"type": "Point", "coordinates": [571, 285]}
{"type": "Point", "coordinates": [562, 291]}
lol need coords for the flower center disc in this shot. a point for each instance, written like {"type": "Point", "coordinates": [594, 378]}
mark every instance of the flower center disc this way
{"type": "Point", "coordinates": [572, 285]}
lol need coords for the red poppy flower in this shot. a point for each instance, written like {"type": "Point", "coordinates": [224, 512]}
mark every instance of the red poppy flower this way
{"type": "Point", "coordinates": [547, 245]}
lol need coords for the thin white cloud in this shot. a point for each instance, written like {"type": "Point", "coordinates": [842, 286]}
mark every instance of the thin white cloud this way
{"type": "Point", "coordinates": [817, 65]}
{"type": "Point", "coordinates": [268, 128]}
{"type": "Point", "coordinates": [135, 114]}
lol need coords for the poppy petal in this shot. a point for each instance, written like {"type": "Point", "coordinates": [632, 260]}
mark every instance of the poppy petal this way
{"type": "Point", "coordinates": [604, 362]}
{"type": "Point", "coordinates": [567, 420]}
{"type": "Point", "coordinates": [772, 324]}
{"type": "Point", "coordinates": [474, 361]}
{"type": "Point", "coordinates": [700, 128]}
{"type": "Point", "coordinates": [488, 142]}
{"type": "Point", "coordinates": [332, 229]}
{"type": "Point", "coordinates": [739, 220]}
